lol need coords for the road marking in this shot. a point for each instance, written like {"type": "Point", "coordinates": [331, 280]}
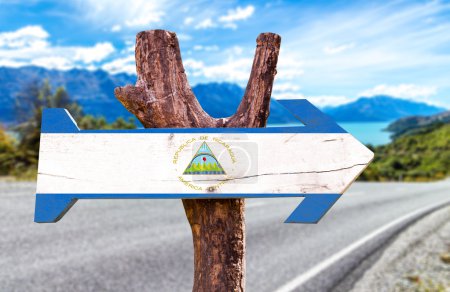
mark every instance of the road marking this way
{"type": "Point", "coordinates": [311, 273]}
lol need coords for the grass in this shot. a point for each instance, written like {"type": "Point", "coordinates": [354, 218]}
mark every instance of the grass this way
{"type": "Point", "coordinates": [200, 167]}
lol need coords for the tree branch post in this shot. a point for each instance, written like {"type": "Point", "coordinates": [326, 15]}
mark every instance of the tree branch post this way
{"type": "Point", "coordinates": [162, 98]}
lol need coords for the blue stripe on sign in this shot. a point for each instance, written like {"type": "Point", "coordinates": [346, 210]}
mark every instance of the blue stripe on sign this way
{"type": "Point", "coordinates": [311, 116]}
{"type": "Point", "coordinates": [52, 207]}
{"type": "Point", "coordinates": [60, 121]}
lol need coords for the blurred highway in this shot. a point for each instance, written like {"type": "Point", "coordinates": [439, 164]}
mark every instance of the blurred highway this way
{"type": "Point", "coordinates": [145, 245]}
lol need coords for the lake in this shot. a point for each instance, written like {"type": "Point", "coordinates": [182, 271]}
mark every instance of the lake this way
{"type": "Point", "coordinates": [367, 133]}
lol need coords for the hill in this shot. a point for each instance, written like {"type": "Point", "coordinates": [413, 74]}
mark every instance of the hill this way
{"type": "Point", "coordinates": [420, 156]}
{"type": "Point", "coordinates": [415, 124]}
{"type": "Point", "coordinates": [380, 109]}
{"type": "Point", "coordinates": [94, 91]}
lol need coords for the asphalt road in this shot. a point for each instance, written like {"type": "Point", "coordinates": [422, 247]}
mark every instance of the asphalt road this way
{"type": "Point", "coordinates": [145, 245]}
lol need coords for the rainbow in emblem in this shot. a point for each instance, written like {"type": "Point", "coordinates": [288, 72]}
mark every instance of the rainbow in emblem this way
{"type": "Point", "coordinates": [204, 162]}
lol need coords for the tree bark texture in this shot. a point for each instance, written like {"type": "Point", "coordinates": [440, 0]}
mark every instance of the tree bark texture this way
{"type": "Point", "coordinates": [162, 98]}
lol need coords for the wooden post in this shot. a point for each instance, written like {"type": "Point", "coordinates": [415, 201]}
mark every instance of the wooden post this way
{"type": "Point", "coordinates": [162, 98]}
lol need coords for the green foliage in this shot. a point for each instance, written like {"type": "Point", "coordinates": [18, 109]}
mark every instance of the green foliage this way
{"type": "Point", "coordinates": [420, 156]}
{"type": "Point", "coordinates": [7, 153]}
{"type": "Point", "coordinates": [20, 158]}
{"type": "Point", "coordinates": [90, 122]}
{"type": "Point", "coordinates": [32, 100]}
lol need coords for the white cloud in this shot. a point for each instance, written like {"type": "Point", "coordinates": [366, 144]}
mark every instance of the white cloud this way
{"type": "Point", "coordinates": [233, 64]}
{"type": "Point", "coordinates": [184, 37]}
{"type": "Point", "coordinates": [28, 36]}
{"type": "Point", "coordinates": [238, 14]}
{"type": "Point", "coordinates": [233, 70]}
{"type": "Point", "coordinates": [30, 46]}
{"type": "Point", "coordinates": [12, 63]}
{"type": "Point", "coordinates": [290, 90]}
{"type": "Point", "coordinates": [287, 95]}
{"type": "Point", "coordinates": [289, 67]}
{"type": "Point", "coordinates": [331, 50]}
{"type": "Point", "coordinates": [285, 87]}
{"type": "Point", "coordinates": [144, 20]}
{"type": "Point", "coordinates": [406, 91]}
{"type": "Point", "coordinates": [126, 64]}
{"type": "Point", "coordinates": [206, 23]}
{"type": "Point", "coordinates": [234, 51]}
{"type": "Point", "coordinates": [231, 25]}
{"type": "Point", "coordinates": [318, 100]}
{"type": "Point", "coordinates": [94, 54]}
{"type": "Point", "coordinates": [133, 14]}
{"type": "Point", "coordinates": [286, 90]}
{"type": "Point", "coordinates": [188, 20]}
{"type": "Point", "coordinates": [227, 21]}
{"type": "Point", "coordinates": [116, 28]}
{"type": "Point", "coordinates": [212, 48]}
{"type": "Point", "coordinates": [411, 91]}
{"type": "Point", "coordinates": [329, 100]}
{"type": "Point", "coordinates": [193, 65]}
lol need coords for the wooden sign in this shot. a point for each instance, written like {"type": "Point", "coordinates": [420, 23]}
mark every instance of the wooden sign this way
{"type": "Point", "coordinates": [317, 161]}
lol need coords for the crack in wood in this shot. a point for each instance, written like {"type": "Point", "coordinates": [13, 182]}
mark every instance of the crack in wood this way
{"type": "Point", "coordinates": [286, 173]}
{"type": "Point", "coordinates": [56, 175]}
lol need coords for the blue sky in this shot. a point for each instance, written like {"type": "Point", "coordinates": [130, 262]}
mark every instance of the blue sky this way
{"type": "Point", "coordinates": [332, 51]}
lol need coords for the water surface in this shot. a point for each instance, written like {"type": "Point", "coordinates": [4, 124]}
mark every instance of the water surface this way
{"type": "Point", "coordinates": [366, 132]}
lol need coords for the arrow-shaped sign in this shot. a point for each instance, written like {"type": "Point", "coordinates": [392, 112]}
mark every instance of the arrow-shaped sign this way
{"type": "Point", "coordinates": [317, 161]}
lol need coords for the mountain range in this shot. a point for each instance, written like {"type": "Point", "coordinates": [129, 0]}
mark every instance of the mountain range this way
{"type": "Point", "coordinates": [94, 91]}
{"type": "Point", "coordinates": [380, 108]}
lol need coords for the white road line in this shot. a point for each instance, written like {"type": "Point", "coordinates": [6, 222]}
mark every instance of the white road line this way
{"type": "Point", "coordinates": [311, 273]}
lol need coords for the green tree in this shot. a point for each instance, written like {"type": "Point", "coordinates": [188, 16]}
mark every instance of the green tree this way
{"type": "Point", "coordinates": [7, 153]}
{"type": "Point", "coordinates": [89, 122]}
{"type": "Point", "coordinates": [32, 100]}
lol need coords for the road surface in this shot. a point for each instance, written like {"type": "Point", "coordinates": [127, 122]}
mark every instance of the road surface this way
{"type": "Point", "coordinates": [146, 245]}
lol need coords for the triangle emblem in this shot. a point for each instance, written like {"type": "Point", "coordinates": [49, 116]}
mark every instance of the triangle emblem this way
{"type": "Point", "coordinates": [204, 162]}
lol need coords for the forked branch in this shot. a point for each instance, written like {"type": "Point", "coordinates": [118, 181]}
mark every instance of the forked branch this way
{"type": "Point", "coordinates": [162, 98]}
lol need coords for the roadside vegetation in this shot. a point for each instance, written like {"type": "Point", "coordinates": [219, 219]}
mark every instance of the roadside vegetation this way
{"type": "Point", "coordinates": [421, 154]}
{"type": "Point", "coordinates": [19, 147]}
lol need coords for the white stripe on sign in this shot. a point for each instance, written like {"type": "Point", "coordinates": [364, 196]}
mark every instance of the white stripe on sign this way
{"type": "Point", "coordinates": [254, 204]}
{"type": "Point", "coordinates": [117, 163]}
